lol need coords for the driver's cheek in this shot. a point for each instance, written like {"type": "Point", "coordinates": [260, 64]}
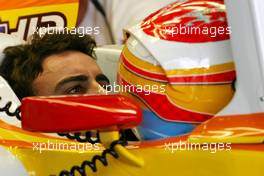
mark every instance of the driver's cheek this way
{"type": "Point", "coordinates": [95, 88]}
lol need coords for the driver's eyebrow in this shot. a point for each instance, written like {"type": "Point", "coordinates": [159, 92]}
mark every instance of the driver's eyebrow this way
{"type": "Point", "coordinates": [71, 79]}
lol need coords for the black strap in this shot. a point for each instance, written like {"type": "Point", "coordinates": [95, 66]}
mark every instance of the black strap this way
{"type": "Point", "coordinates": [101, 10]}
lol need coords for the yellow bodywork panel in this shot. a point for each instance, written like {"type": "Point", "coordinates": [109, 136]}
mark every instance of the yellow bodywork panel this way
{"type": "Point", "coordinates": [158, 162]}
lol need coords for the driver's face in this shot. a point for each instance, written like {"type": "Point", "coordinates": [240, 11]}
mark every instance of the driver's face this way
{"type": "Point", "coordinates": [70, 72]}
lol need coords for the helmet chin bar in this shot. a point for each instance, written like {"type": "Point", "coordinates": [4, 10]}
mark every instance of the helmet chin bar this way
{"type": "Point", "coordinates": [106, 113]}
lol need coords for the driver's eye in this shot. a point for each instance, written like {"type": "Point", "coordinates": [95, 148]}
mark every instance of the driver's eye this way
{"type": "Point", "coordinates": [76, 90]}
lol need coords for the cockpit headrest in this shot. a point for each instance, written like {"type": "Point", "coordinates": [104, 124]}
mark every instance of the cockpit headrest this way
{"type": "Point", "coordinates": [8, 40]}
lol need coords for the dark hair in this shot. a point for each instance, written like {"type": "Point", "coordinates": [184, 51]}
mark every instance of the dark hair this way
{"type": "Point", "coordinates": [23, 63]}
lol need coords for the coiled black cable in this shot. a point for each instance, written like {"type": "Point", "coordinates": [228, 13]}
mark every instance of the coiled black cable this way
{"type": "Point", "coordinates": [92, 163]}
{"type": "Point", "coordinates": [80, 138]}
{"type": "Point", "coordinates": [6, 109]}
{"type": "Point", "coordinates": [76, 136]}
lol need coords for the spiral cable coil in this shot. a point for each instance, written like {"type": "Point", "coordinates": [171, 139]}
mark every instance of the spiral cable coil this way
{"type": "Point", "coordinates": [6, 109]}
{"type": "Point", "coordinates": [75, 136]}
{"type": "Point", "coordinates": [78, 137]}
{"type": "Point", "coordinates": [92, 164]}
